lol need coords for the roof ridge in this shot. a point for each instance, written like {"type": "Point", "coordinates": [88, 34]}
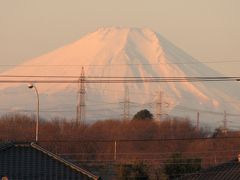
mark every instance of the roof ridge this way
{"type": "Point", "coordinates": [5, 145]}
{"type": "Point", "coordinates": [69, 164]}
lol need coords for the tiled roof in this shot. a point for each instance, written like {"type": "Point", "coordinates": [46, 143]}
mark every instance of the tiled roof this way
{"type": "Point", "coordinates": [29, 161]}
{"type": "Point", "coordinates": [226, 171]}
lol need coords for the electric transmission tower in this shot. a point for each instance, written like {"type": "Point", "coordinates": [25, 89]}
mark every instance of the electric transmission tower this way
{"type": "Point", "coordinates": [198, 121]}
{"type": "Point", "coordinates": [225, 122]}
{"type": "Point", "coordinates": [126, 104]}
{"type": "Point", "coordinates": [80, 116]}
{"type": "Point", "coordinates": [159, 107]}
{"type": "Point", "coordinates": [160, 104]}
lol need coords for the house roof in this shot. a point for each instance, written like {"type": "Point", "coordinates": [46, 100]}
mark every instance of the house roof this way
{"type": "Point", "coordinates": [31, 161]}
{"type": "Point", "coordinates": [228, 170]}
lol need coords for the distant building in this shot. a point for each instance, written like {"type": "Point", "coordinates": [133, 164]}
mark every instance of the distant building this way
{"type": "Point", "coordinates": [23, 161]}
{"type": "Point", "coordinates": [225, 171]}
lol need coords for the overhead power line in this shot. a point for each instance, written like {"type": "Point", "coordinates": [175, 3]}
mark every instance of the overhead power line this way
{"type": "Point", "coordinates": [129, 64]}
{"type": "Point", "coordinates": [145, 140]}
{"type": "Point", "coordinates": [119, 77]}
{"type": "Point", "coordinates": [204, 111]}
{"type": "Point", "coordinates": [89, 79]}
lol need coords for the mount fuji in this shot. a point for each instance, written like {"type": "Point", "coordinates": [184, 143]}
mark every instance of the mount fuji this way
{"type": "Point", "coordinates": [121, 52]}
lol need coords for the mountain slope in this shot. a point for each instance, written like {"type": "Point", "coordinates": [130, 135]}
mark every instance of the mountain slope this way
{"type": "Point", "coordinates": [129, 52]}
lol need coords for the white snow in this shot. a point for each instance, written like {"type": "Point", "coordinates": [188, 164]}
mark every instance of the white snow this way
{"type": "Point", "coordinates": [128, 52]}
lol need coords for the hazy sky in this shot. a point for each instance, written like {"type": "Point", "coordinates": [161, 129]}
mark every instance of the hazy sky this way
{"type": "Point", "coordinates": [209, 30]}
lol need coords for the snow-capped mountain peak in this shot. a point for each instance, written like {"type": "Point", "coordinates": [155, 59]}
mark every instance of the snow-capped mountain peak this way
{"type": "Point", "coordinates": [128, 52]}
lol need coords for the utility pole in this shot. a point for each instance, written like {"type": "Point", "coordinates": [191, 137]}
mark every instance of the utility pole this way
{"type": "Point", "coordinates": [37, 119]}
{"type": "Point", "coordinates": [80, 116]}
{"type": "Point", "coordinates": [115, 150]}
{"type": "Point", "coordinates": [126, 104]}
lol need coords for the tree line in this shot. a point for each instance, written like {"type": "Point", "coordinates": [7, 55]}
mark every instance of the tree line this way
{"type": "Point", "coordinates": [136, 144]}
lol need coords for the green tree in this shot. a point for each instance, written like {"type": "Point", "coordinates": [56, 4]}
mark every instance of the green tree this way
{"type": "Point", "coordinates": [143, 115]}
{"type": "Point", "coordinates": [178, 166]}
